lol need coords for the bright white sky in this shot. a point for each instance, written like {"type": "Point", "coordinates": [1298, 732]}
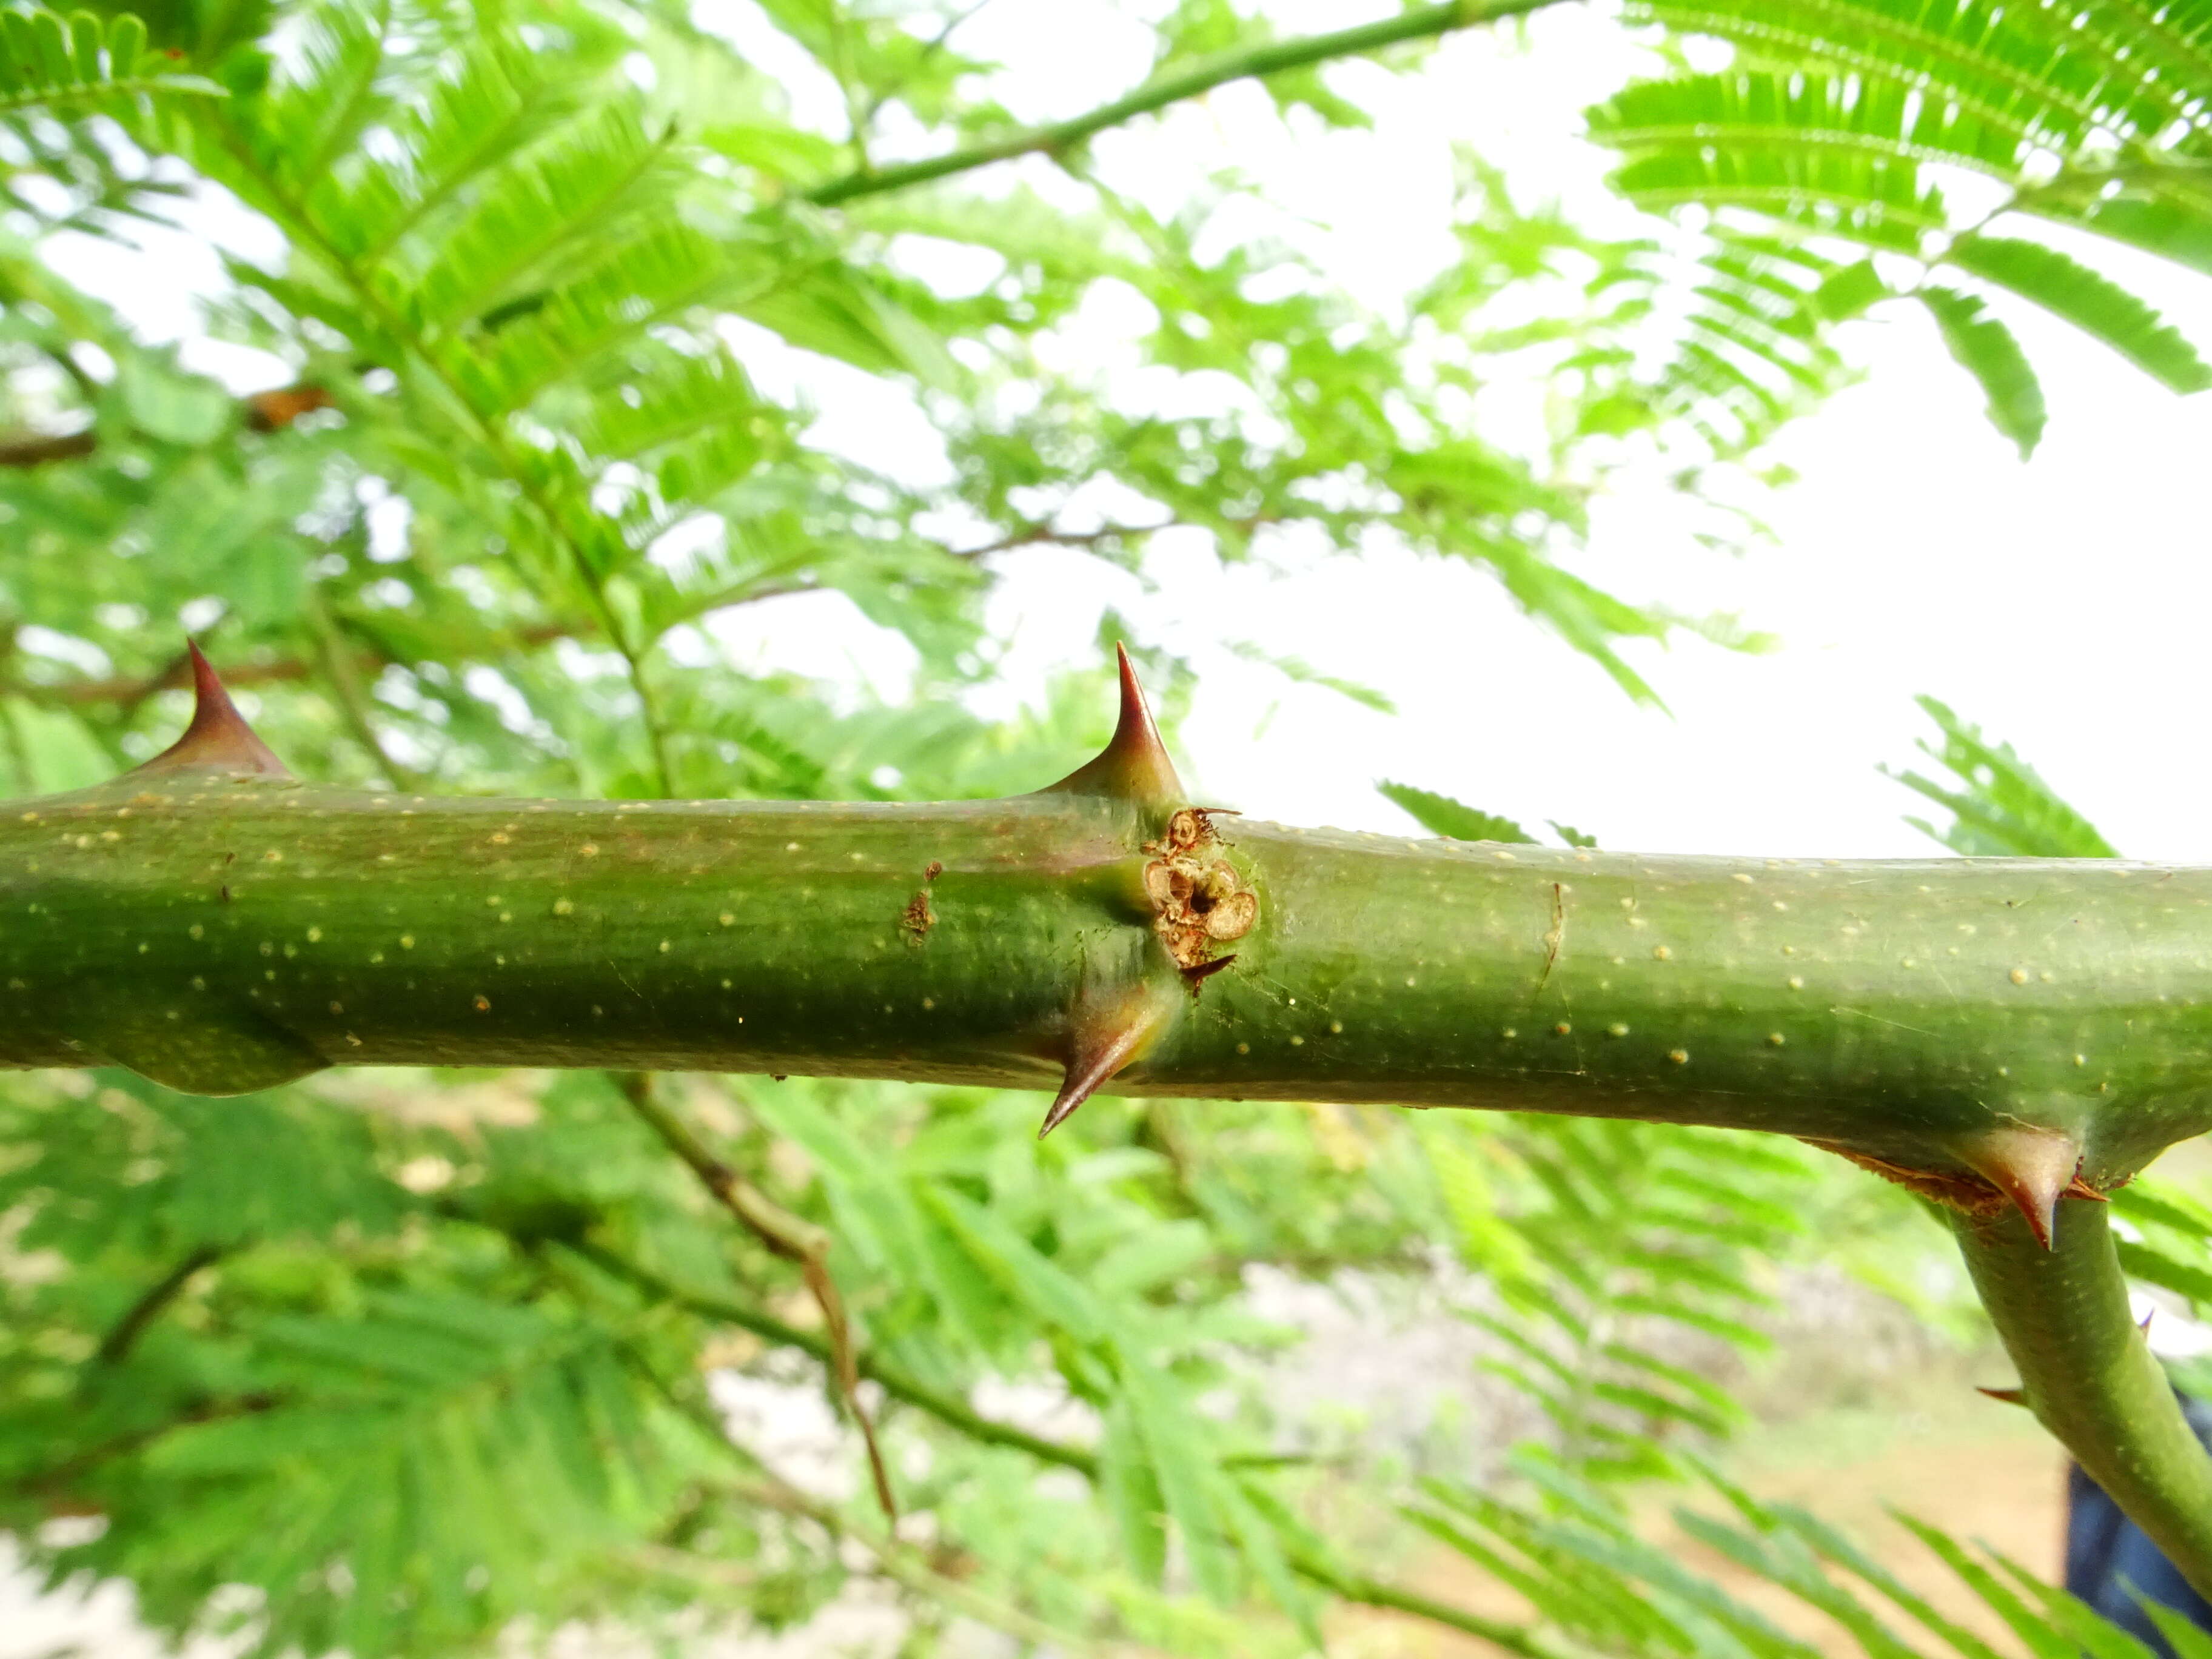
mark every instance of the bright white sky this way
{"type": "Point", "coordinates": [2061, 603]}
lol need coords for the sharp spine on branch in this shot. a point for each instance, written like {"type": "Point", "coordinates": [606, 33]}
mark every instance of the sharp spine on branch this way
{"type": "Point", "coordinates": [218, 739]}
{"type": "Point", "coordinates": [2032, 1167]}
{"type": "Point", "coordinates": [1100, 1043]}
{"type": "Point", "coordinates": [1134, 763]}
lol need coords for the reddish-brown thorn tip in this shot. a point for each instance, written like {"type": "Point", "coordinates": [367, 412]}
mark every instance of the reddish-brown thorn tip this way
{"type": "Point", "coordinates": [2078, 1187]}
{"type": "Point", "coordinates": [1195, 977]}
{"type": "Point", "coordinates": [2032, 1167]}
{"type": "Point", "coordinates": [1097, 1048]}
{"type": "Point", "coordinates": [1134, 763]}
{"type": "Point", "coordinates": [2009, 1396]}
{"type": "Point", "coordinates": [218, 739]}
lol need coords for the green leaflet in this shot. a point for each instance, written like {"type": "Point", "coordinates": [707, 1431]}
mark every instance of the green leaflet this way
{"type": "Point", "coordinates": [2176, 1273]}
{"type": "Point", "coordinates": [1440, 815]}
{"type": "Point", "coordinates": [1838, 120]}
{"type": "Point", "coordinates": [161, 1173]}
{"type": "Point", "coordinates": [443, 1450]}
{"type": "Point", "coordinates": [2181, 1634]}
{"type": "Point", "coordinates": [1986, 350]}
{"type": "Point", "coordinates": [1130, 1487]}
{"type": "Point", "coordinates": [1999, 804]}
{"type": "Point", "coordinates": [2092, 303]}
{"type": "Point", "coordinates": [2174, 227]}
{"type": "Point", "coordinates": [1584, 1228]}
{"type": "Point", "coordinates": [1877, 200]}
{"type": "Point", "coordinates": [1059, 1301]}
{"type": "Point", "coordinates": [2039, 1638]}
{"type": "Point", "coordinates": [2030, 71]}
{"type": "Point", "coordinates": [1813, 111]}
{"type": "Point", "coordinates": [1189, 1484]}
{"type": "Point", "coordinates": [1580, 1562]}
{"type": "Point", "coordinates": [48, 60]}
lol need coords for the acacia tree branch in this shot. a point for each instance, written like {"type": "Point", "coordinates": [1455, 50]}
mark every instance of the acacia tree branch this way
{"type": "Point", "coordinates": [264, 411]}
{"type": "Point", "coordinates": [341, 672]}
{"type": "Point", "coordinates": [116, 1345]}
{"type": "Point", "coordinates": [956, 1414]}
{"type": "Point", "coordinates": [786, 1236]}
{"type": "Point", "coordinates": [1422, 22]}
{"type": "Point", "coordinates": [219, 927]}
{"type": "Point", "coordinates": [2088, 1373]}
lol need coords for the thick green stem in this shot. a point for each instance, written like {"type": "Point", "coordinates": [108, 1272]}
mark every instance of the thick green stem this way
{"type": "Point", "coordinates": [2089, 1376]}
{"type": "Point", "coordinates": [226, 932]}
{"type": "Point", "coordinates": [1997, 1033]}
{"type": "Point", "coordinates": [1419, 23]}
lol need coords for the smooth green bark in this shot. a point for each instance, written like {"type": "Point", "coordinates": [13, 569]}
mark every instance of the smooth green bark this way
{"type": "Point", "coordinates": [221, 934]}
{"type": "Point", "coordinates": [1416, 23]}
{"type": "Point", "coordinates": [2088, 1374]}
{"type": "Point", "coordinates": [1993, 1030]}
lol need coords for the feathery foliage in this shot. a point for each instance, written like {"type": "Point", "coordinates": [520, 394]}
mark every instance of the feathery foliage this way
{"type": "Point", "coordinates": [49, 61]}
{"type": "Point", "coordinates": [545, 298]}
{"type": "Point", "coordinates": [1907, 132]}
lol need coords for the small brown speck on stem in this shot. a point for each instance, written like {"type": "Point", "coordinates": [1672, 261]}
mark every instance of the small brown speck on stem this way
{"type": "Point", "coordinates": [917, 919]}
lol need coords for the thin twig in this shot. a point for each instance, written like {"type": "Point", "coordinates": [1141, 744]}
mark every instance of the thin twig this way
{"type": "Point", "coordinates": [1421, 23]}
{"type": "Point", "coordinates": [930, 48]}
{"type": "Point", "coordinates": [786, 1236]}
{"type": "Point", "coordinates": [341, 674]}
{"type": "Point", "coordinates": [957, 1413]}
{"type": "Point", "coordinates": [649, 716]}
{"type": "Point", "coordinates": [1036, 535]}
{"type": "Point", "coordinates": [896, 1558]}
{"type": "Point", "coordinates": [263, 411]}
{"type": "Point", "coordinates": [948, 1409]}
{"type": "Point", "coordinates": [116, 1345]}
{"type": "Point", "coordinates": [36, 449]}
{"type": "Point", "coordinates": [898, 1562]}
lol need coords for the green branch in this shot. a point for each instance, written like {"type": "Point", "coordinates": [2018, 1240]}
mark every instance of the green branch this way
{"type": "Point", "coordinates": [2089, 1377]}
{"type": "Point", "coordinates": [1999, 1034]}
{"type": "Point", "coordinates": [948, 1409]}
{"type": "Point", "coordinates": [116, 1345]}
{"type": "Point", "coordinates": [1252, 63]}
{"type": "Point", "coordinates": [786, 1236]}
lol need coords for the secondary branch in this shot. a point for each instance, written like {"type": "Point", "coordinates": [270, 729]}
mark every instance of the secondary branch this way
{"type": "Point", "coordinates": [1254, 62]}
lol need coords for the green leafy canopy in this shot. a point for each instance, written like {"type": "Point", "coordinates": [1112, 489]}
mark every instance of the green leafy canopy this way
{"type": "Point", "coordinates": [411, 1363]}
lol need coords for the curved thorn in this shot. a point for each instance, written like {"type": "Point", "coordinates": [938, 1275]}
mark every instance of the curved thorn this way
{"type": "Point", "coordinates": [1098, 1048]}
{"type": "Point", "coordinates": [1134, 763]}
{"type": "Point", "coordinates": [2009, 1396]}
{"type": "Point", "coordinates": [1195, 977]}
{"type": "Point", "coordinates": [2031, 1167]}
{"type": "Point", "coordinates": [218, 739]}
